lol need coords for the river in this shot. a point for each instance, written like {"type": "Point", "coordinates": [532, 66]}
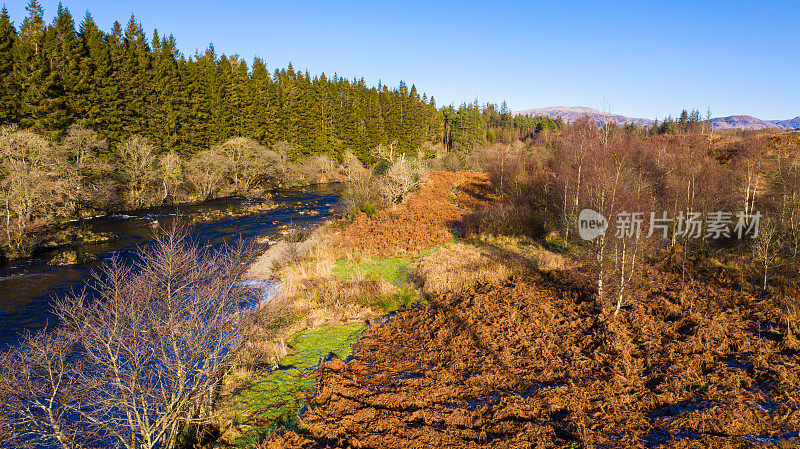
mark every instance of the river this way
{"type": "Point", "coordinates": [28, 287]}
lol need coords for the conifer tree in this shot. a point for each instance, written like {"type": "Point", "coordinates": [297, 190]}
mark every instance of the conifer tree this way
{"type": "Point", "coordinates": [9, 89]}
{"type": "Point", "coordinates": [30, 65]}
{"type": "Point", "coordinates": [120, 84]}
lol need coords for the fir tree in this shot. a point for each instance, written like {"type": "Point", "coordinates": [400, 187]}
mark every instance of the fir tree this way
{"type": "Point", "coordinates": [9, 88]}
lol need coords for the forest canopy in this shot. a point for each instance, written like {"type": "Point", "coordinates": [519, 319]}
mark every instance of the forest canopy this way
{"type": "Point", "coordinates": [122, 82]}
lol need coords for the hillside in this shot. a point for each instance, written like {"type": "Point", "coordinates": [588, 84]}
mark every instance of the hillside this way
{"type": "Point", "coordinates": [788, 124]}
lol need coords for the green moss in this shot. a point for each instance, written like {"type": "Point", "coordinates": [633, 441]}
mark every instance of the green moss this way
{"type": "Point", "coordinates": [390, 268]}
{"type": "Point", "coordinates": [395, 270]}
{"type": "Point", "coordinates": [309, 346]}
{"type": "Point", "coordinates": [269, 399]}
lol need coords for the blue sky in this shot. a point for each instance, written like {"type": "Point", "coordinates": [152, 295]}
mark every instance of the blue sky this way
{"type": "Point", "coordinates": [642, 59]}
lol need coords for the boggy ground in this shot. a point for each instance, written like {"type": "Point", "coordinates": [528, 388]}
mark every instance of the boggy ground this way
{"type": "Point", "coordinates": [537, 361]}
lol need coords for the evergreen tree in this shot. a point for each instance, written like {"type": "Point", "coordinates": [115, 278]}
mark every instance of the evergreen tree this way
{"type": "Point", "coordinates": [9, 89]}
{"type": "Point", "coordinates": [66, 57]}
{"type": "Point", "coordinates": [120, 84]}
{"type": "Point", "coordinates": [683, 121]}
{"type": "Point", "coordinates": [30, 65]}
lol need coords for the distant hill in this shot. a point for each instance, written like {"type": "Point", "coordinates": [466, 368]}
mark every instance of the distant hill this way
{"type": "Point", "coordinates": [742, 122]}
{"type": "Point", "coordinates": [788, 124]}
{"type": "Point", "coordinates": [572, 113]}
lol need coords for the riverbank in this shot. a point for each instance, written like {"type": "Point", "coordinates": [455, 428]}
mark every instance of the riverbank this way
{"type": "Point", "coordinates": [71, 234]}
{"type": "Point", "coordinates": [341, 276]}
{"type": "Point", "coordinates": [64, 240]}
{"type": "Point", "coordinates": [28, 286]}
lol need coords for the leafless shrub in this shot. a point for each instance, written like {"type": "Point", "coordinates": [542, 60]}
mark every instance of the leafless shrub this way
{"type": "Point", "coordinates": [360, 192]}
{"type": "Point", "coordinates": [145, 355]}
{"type": "Point", "coordinates": [353, 168]}
{"type": "Point", "coordinates": [315, 168]}
{"type": "Point", "coordinates": [402, 177]}
{"type": "Point", "coordinates": [206, 172]}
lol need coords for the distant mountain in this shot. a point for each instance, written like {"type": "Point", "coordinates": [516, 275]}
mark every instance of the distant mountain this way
{"type": "Point", "coordinates": [788, 124]}
{"type": "Point", "coordinates": [741, 121]}
{"type": "Point", "coordinates": [570, 114]}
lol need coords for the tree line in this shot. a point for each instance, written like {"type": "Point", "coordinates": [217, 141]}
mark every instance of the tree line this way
{"type": "Point", "coordinates": [121, 83]}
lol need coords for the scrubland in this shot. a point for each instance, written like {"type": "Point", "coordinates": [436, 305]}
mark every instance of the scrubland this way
{"type": "Point", "coordinates": [513, 344]}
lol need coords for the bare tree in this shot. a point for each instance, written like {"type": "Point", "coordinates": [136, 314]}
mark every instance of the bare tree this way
{"type": "Point", "coordinates": [579, 144]}
{"type": "Point", "coordinates": [150, 347]}
{"type": "Point", "coordinates": [248, 161]}
{"type": "Point", "coordinates": [206, 172]}
{"type": "Point", "coordinates": [171, 171]}
{"type": "Point", "coordinates": [323, 165]}
{"type": "Point", "coordinates": [385, 153]}
{"type": "Point", "coordinates": [353, 167]}
{"type": "Point", "coordinates": [137, 164]}
{"type": "Point", "coordinates": [766, 246]}
{"type": "Point", "coordinates": [30, 187]}
{"type": "Point", "coordinates": [38, 384]}
{"type": "Point", "coordinates": [402, 177]}
{"type": "Point", "coordinates": [80, 164]}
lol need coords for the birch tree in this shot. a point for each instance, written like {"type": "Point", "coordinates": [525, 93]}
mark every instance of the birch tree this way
{"type": "Point", "coordinates": [137, 365]}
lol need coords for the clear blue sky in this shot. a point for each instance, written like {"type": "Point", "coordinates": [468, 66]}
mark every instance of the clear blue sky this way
{"type": "Point", "coordinates": [642, 59]}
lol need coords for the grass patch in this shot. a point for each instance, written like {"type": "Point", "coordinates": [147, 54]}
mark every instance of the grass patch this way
{"type": "Point", "coordinates": [394, 270]}
{"type": "Point", "coordinates": [308, 347]}
{"type": "Point", "coordinates": [258, 404]}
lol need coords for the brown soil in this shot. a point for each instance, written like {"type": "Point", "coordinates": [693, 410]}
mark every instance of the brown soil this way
{"type": "Point", "coordinates": [539, 362]}
{"type": "Point", "coordinates": [427, 220]}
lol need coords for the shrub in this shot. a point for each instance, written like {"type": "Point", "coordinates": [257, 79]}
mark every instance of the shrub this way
{"type": "Point", "coordinates": [402, 177]}
{"type": "Point", "coordinates": [360, 192]}
{"type": "Point", "coordinates": [368, 209]}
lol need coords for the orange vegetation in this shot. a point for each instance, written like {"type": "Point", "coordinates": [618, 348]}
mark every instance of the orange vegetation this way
{"type": "Point", "coordinates": [537, 361]}
{"type": "Point", "coordinates": [427, 220]}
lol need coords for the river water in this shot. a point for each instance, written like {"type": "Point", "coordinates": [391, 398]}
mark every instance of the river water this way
{"type": "Point", "coordinates": [28, 287]}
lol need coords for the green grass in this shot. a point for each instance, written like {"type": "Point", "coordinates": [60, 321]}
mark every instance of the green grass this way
{"type": "Point", "coordinates": [309, 346]}
{"type": "Point", "coordinates": [270, 399]}
{"type": "Point", "coordinates": [393, 269]}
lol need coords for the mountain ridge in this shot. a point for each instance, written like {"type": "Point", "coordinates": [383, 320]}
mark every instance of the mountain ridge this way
{"type": "Point", "coordinates": [572, 113]}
